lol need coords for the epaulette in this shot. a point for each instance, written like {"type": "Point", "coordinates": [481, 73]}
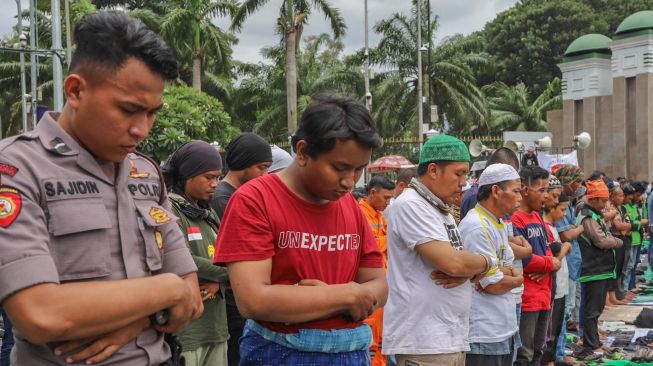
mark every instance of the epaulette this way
{"type": "Point", "coordinates": [163, 193]}
{"type": "Point", "coordinates": [6, 142]}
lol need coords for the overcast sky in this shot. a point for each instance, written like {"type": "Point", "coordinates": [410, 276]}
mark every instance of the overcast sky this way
{"type": "Point", "coordinates": [455, 16]}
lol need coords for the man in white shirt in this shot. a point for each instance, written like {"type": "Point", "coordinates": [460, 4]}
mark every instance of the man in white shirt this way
{"type": "Point", "coordinates": [426, 323]}
{"type": "Point", "coordinates": [493, 321]}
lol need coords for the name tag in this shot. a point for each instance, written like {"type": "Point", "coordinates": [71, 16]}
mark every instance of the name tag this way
{"type": "Point", "coordinates": [58, 189]}
{"type": "Point", "coordinates": [144, 189]}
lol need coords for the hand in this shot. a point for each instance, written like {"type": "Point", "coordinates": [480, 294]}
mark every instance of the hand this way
{"type": "Point", "coordinates": [189, 308]}
{"type": "Point", "coordinates": [566, 246]}
{"type": "Point", "coordinates": [208, 290]}
{"type": "Point", "coordinates": [311, 283]}
{"type": "Point", "coordinates": [362, 301]}
{"type": "Point", "coordinates": [644, 222]}
{"type": "Point", "coordinates": [537, 277]}
{"type": "Point", "coordinates": [447, 281]}
{"type": "Point", "coordinates": [479, 288]}
{"type": "Point", "coordinates": [515, 272]}
{"type": "Point", "coordinates": [507, 271]}
{"type": "Point", "coordinates": [556, 263]}
{"type": "Point", "coordinates": [610, 214]}
{"type": "Point", "coordinates": [581, 229]}
{"type": "Point", "coordinates": [104, 346]}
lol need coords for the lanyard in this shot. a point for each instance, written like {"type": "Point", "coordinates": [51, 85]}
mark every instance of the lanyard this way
{"type": "Point", "coordinates": [500, 257]}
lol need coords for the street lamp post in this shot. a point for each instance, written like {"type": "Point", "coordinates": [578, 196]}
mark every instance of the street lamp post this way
{"type": "Point", "coordinates": [368, 95]}
{"type": "Point", "coordinates": [33, 59]}
{"type": "Point", "coordinates": [420, 112]}
{"type": "Point", "coordinates": [428, 66]}
{"type": "Point", "coordinates": [23, 41]}
{"type": "Point", "coordinates": [57, 67]}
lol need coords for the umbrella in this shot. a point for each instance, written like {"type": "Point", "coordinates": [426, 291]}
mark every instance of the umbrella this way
{"type": "Point", "coordinates": [389, 163]}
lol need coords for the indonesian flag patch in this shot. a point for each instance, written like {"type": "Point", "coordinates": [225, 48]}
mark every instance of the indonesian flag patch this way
{"type": "Point", "coordinates": [194, 233]}
{"type": "Point", "coordinates": [10, 205]}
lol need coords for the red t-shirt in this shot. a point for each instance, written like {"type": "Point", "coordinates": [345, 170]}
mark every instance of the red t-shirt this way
{"type": "Point", "coordinates": [537, 295]}
{"type": "Point", "coordinates": [329, 242]}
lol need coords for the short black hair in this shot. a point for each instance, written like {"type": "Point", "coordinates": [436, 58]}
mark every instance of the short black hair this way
{"type": "Point", "coordinates": [530, 173]}
{"type": "Point", "coordinates": [503, 155]}
{"type": "Point", "coordinates": [331, 118]}
{"type": "Point", "coordinates": [639, 187]}
{"type": "Point", "coordinates": [563, 198]}
{"type": "Point", "coordinates": [424, 167]}
{"type": "Point", "coordinates": [484, 191]}
{"type": "Point", "coordinates": [106, 39]}
{"type": "Point", "coordinates": [405, 175]}
{"type": "Point", "coordinates": [628, 188]}
{"type": "Point", "coordinates": [380, 182]}
{"type": "Point", "coordinates": [596, 175]}
{"type": "Point", "coordinates": [359, 192]}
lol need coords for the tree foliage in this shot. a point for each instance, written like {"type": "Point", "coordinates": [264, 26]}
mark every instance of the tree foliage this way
{"type": "Point", "coordinates": [293, 16]}
{"type": "Point", "coordinates": [187, 114]}
{"type": "Point", "coordinates": [261, 95]}
{"type": "Point", "coordinates": [448, 72]}
{"type": "Point", "coordinates": [188, 28]}
{"type": "Point", "coordinates": [528, 40]}
{"type": "Point", "coordinates": [512, 108]}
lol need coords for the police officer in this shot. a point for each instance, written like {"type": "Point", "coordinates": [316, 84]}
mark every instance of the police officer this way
{"type": "Point", "coordinates": [90, 248]}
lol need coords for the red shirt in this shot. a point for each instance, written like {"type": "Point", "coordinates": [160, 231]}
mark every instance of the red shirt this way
{"type": "Point", "coordinates": [537, 295]}
{"type": "Point", "coordinates": [329, 242]}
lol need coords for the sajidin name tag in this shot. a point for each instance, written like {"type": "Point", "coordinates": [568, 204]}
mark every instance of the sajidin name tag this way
{"type": "Point", "coordinates": [160, 216]}
{"type": "Point", "coordinates": [10, 205]}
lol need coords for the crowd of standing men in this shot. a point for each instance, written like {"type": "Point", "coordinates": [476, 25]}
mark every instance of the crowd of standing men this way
{"type": "Point", "coordinates": [107, 259]}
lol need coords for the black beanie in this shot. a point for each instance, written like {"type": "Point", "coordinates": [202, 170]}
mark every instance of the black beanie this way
{"type": "Point", "coordinates": [189, 160]}
{"type": "Point", "coordinates": [247, 149]}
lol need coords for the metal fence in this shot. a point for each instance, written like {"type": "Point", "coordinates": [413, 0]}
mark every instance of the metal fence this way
{"type": "Point", "coordinates": [409, 146]}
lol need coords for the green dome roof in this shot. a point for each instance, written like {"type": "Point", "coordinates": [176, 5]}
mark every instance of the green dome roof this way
{"type": "Point", "coordinates": [635, 22]}
{"type": "Point", "coordinates": [589, 43]}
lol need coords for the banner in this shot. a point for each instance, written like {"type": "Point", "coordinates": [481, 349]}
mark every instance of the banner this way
{"type": "Point", "coordinates": [547, 161]}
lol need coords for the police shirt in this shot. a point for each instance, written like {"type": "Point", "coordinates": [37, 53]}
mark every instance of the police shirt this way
{"type": "Point", "coordinates": [63, 220]}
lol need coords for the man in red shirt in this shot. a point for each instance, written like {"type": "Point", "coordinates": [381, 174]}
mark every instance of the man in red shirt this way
{"type": "Point", "coordinates": [302, 259]}
{"type": "Point", "coordinates": [536, 300]}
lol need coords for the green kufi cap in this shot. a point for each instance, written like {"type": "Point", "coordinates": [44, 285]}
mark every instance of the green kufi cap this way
{"type": "Point", "coordinates": [443, 148]}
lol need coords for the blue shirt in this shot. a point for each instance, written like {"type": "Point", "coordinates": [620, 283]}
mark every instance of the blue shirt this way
{"type": "Point", "coordinates": [469, 201]}
{"type": "Point", "coordinates": [573, 258]}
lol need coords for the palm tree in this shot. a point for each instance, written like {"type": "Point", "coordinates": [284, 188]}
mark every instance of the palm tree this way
{"type": "Point", "coordinates": [452, 73]}
{"type": "Point", "coordinates": [261, 94]}
{"type": "Point", "coordinates": [293, 15]}
{"type": "Point", "coordinates": [187, 27]}
{"type": "Point", "coordinates": [511, 107]}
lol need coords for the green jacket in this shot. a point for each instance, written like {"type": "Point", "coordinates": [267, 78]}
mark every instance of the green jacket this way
{"type": "Point", "coordinates": [211, 327]}
{"type": "Point", "coordinates": [596, 246]}
{"type": "Point", "coordinates": [632, 210]}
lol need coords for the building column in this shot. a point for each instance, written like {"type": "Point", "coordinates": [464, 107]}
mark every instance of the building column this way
{"type": "Point", "coordinates": [619, 127]}
{"type": "Point", "coordinates": [591, 113]}
{"type": "Point", "coordinates": [602, 139]}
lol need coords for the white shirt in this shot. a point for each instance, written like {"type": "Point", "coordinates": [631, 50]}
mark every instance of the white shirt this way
{"type": "Point", "coordinates": [493, 317]}
{"type": "Point", "coordinates": [562, 276]}
{"type": "Point", "coordinates": [421, 317]}
{"type": "Point", "coordinates": [516, 292]}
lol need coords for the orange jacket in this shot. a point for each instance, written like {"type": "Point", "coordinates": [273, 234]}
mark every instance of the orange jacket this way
{"type": "Point", "coordinates": [379, 228]}
{"type": "Point", "coordinates": [375, 321]}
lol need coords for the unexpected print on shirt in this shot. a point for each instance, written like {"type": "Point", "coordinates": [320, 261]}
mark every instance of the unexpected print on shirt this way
{"type": "Point", "coordinates": [327, 243]}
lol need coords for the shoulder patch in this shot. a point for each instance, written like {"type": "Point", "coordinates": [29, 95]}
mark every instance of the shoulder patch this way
{"type": "Point", "coordinates": [134, 173]}
{"type": "Point", "coordinates": [10, 205]}
{"type": "Point", "coordinates": [7, 169]}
